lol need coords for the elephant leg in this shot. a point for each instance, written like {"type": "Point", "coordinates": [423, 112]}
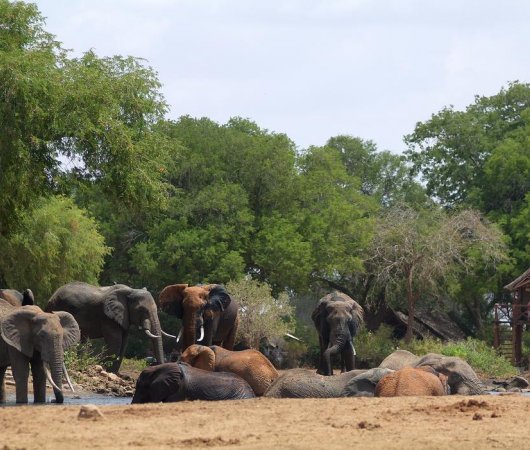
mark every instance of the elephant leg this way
{"type": "Point", "coordinates": [112, 336]}
{"type": "Point", "coordinates": [322, 361]}
{"type": "Point", "coordinates": [39, 379]}
{"type": "Point", "coordinates": [348, 358]}
{"type": "Point", "coordinates": [20, 368]}
{"type": "Point", "coordinates": [2, 384]}
{"type": "Point", "coordinates": [229, 342]}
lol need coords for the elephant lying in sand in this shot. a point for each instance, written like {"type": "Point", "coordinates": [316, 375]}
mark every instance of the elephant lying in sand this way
{"type": "Point", "coordinates": [304, 383]}
{"type": "Point", "coordinates": [251, 365]}
{"type": "Point", "coordinates": [461, 377]}
{"type": "Point", "coordinates": [412, 381]}
{"type": "Point", "coordinates": [174, 382]}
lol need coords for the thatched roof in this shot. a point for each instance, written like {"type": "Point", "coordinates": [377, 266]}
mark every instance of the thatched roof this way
{"type": "Point", "coordinates": [520, 281]}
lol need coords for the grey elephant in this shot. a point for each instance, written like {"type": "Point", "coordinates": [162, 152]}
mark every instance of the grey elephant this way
{"type": "Point", "coordinates": [305, 383]}
{"type": "Point", "coordinates": [174, 382]}
{"type": "Point", "coordinates": [31, 337]}
{"type": "Point", "coordinates": [337, 318]}
{"type": "Point", "coordinates": [108, 312]}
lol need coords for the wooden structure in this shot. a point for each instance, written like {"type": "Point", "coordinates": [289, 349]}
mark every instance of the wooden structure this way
{"type": "Point", "coordinates": [515, 316]}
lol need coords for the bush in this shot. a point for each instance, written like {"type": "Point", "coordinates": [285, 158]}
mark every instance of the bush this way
{"type": "Point", "coordinates": [261, 316]}
{"type": "Point", "coordinates": [373, 347]}
{"type": "Point", "coordinates": [82, 356]}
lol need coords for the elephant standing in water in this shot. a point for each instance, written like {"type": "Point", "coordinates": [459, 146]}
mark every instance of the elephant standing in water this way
{"type": "Point", "coordinates": [175, 382]}
{"type": "Point", "coordinates": [251, 365]}
{"type": "Point", "coordinates": [337, 319]}
{"type": "Point", "coordinates": [31, 337]}
{"type": "Point", "coordinates": [207, 309]}
{"type": "Point", "coordinates": [108, 312]}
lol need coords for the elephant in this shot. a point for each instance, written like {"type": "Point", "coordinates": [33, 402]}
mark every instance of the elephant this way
{"type": "Point", "coordinates": [32, 337]}
{"type": "Point", "coordinates": [208, 308]}
{"type": "Point", "coordinates": [107, 312]}
{"type": "Point", "coordinates": [305, 383]}
{"type": "Point", "coordinates": [412, 381]}
{"type": "Point", "coordinates": [461, 377]}
{"type": "Point", "coordinates": [251, 365]}
{"type": "Point", "coordinates": [175, 382]}
{"type": "Point", "coordinates": [337, 319]}
{"type": "Point", "coordinates": [17, 298]}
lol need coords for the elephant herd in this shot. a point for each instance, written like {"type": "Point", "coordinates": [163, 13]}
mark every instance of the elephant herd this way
{"type": "Point", "coordinates": [208, 368]}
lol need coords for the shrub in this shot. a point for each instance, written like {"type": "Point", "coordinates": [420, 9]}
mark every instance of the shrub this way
{"type": "Point", "coordinates": [261, 316]}
{"type": "Point", "coordinates": [373, 347]}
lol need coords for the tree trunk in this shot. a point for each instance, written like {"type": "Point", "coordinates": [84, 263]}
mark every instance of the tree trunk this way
{"type": "Point", "coordinates": [411, 306]}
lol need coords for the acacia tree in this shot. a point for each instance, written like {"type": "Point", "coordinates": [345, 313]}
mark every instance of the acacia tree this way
{"type": "Point", "coordinates": [415, 251]}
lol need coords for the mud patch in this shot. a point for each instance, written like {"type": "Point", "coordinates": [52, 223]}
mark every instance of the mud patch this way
{"type": "Point", "coordinates": [217, 441]}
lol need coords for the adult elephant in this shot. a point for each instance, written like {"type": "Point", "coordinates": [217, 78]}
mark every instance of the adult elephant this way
{"type": "Point", "coordinates": [251, 365]}
{"type": "Point", "coordinates": [412, 381]}
{"type": "Point", "coordinates": [17, 298]}
{"type": "Point", "coordinates": [108, 312]}
{"type": "Point", "coordinates": [31, 337]}
{"type": "Point", "coordinates": [305, 383]}
{"type": "Point", "coordinates": [337, 318]}
{"type": "Point", "coordinates": [174, 382]}
{"type": "Point", "coordinates": [206, 309]}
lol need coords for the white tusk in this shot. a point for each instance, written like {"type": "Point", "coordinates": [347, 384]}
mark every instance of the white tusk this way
{"type": "Point", "coordinates": [293, 337]}
{"type": "Point", "coordinates": [151, 335]}
{"type": "Point", "coordinates": [354, 352]}
{"type": "Point", "coordinates": [180, 335]}
{"type": "Point", "coordinates": [168, 335]}
{"type": "Point", "coordinates": [68, 378]}
{"type": "Point", "coordinates": [49, 377]}
{"type": "Point", "coordinates": [202, 334]}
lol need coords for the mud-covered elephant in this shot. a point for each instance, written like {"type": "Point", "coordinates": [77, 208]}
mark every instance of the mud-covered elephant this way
{"type": "Point", "coordinates": [108, 312]}
{"type": "Point", "coordinates": [337, 318]}
{"type": "Point", "coordinates": [461, 377]}
{"type": "Point", "coordinates": [31, 337]}
{"type": "Point", "coordinates": [251, 365]}
{"type": "Point", "coordinates": [175, 382]}
{"type": "Point", "coordinates": [17, 298]}
{"type": "Point", "coordinates": [412, 381]}
{"type": "Point", "coordinates": [209, 315]}
{"type": "Point", "coordinates": [305, 383]}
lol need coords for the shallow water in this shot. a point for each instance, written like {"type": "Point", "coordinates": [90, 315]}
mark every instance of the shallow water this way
{"type": "Point", "coordinates": [75, 399]}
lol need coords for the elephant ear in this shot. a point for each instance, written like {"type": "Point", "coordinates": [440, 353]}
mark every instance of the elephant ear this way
{"type": "Point", "coordinates": [71, 332]}
{"type": "Point", "coordinates": [167, 381]}
{"type": "Point", "coordinates": [28, 298]}
{"type": "Point", "coordinates": [357, 313]}
{"type": "Point", "coordinates": [171, 298]}
{"type": "Point", "coordinates": [115, 306]}
{"type": "Point", "coordinates": [319, 313]}
{"type": "Point", "coordinates": [16, 329]}
{"type": "Point", "coordinates": [219, 298]}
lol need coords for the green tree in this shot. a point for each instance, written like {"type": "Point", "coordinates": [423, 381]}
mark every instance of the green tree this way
{"type": "Point", "coordinates": [56, 243]}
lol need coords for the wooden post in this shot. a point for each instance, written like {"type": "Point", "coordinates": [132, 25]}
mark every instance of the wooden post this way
{"type": "Point", "coordinates": [517, 329]}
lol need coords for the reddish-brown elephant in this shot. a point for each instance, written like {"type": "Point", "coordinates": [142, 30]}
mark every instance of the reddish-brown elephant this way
{"type": "Point", "coordinates": [412, 381]}
{"type": "Point", "coordinates": [205, 309]}
{"type": "Point", "coordinates": [251, 365]}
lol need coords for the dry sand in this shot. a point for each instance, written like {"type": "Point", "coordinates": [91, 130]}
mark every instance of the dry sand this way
{"type": "Point", "coordinates": [263, 423]}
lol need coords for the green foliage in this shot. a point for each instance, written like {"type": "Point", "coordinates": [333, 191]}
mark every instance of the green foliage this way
{"type": "Point", "coordinates": [82, 356]}
{"type": "Point", "coordinates": [55, 243]}
{"type": "Point", "coordinates": [133, 365]}
{"type": "Point", "coordinates": [373, 347]}
{"type": "Point", "coordinates": [261, 316]}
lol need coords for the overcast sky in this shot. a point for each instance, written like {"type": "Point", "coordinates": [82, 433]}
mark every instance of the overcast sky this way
{"type": "Point", "coordinates": [312, 69]}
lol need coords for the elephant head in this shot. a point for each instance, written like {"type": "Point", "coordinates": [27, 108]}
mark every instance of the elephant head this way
{"type": "Point", "coordinates": [162, 383]}
{"type": "Point", "coordinates": [128, 306]}
{"type": "Point", "coordinates": [337, 318]}
{"type": "Point", "coordinates": [199, 308]}
{"type": "Point", "coordinates": [16, 298]}
{"type": "Point", "coordinates": [28, 329]}
{"type": "Point", "coordinates": [199, 356]}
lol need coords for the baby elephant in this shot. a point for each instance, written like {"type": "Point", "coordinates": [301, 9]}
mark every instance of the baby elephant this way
{"type": "Point", "coordinates": [174, 382]}
{"type": "Point", "coordinates": [412, 381]}
{"type": "Point", "coordinates": [251, 365]}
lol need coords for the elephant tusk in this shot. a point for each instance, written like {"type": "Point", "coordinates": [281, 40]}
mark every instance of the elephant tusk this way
{"type": "Point", "coordinates": [354, 352]}
{"type": "Point", "coordinates": [293, 337]}
{"type": "Point", "coordinates": [180, 335]}
{"type": "Point", "coordinates": [202, 334]}
{"type": "Point", "coordinates": [168, 335]}
{"type": "Point", "coordinates": [151, 335]}
{"type": "Point", "coordinates": [68, 378]}
{"type": "Point", "coordinates": [49, 377]}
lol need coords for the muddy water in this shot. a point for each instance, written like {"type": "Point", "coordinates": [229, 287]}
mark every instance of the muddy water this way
{"type": "Point", "coordinates": [76, 399]}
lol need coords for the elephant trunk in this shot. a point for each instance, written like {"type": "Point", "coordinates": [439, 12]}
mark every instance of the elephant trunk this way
{"type": "Point", "coordinates": [56, 369]}
{"type": "Point", "coordinates": [153, 326]}
{"type": "Point", "coordinates": [189, 325]}
{"type": "Point", "coordinates": [338, 342]}
{"type": "Point", "coordinates": [208, 332]}
{"type": "Point", "coordinates": [54, 359]}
